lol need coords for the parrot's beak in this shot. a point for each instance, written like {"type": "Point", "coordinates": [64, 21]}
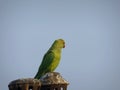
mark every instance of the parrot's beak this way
{"type": "Point", "coordinates": [64, 46]}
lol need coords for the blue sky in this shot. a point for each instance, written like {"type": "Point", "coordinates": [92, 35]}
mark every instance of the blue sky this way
{"type": "Point", "coordinates": [90, 28]}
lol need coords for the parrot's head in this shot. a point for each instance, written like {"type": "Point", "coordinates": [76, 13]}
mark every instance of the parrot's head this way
{"type": "Point", "coordinates": [59, 43]}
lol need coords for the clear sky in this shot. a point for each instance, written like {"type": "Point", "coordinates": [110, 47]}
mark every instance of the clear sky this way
{"type": "Point", "coordinates": [91, 29]}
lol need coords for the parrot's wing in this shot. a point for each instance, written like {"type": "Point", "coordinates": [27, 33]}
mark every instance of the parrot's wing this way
{"type": "Point", "coordinates": [47, 60]}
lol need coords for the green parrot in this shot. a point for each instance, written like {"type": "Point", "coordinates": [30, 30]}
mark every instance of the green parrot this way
{"type": "Point", "coordinates": [51, 59]}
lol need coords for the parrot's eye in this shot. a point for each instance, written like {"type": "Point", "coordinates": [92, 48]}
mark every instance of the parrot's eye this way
{"type": "Point", "coordinates": [63, 42]}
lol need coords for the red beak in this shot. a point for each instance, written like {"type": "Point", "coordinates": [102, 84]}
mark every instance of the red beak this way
{"type": "Point", "coordinates": [64, 46]}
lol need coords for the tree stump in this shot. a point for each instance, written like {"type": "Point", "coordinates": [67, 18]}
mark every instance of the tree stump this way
{"type": "Point", "coordinates": [25, 84]}
{"type": "Point", "coordinates": [53, 81]}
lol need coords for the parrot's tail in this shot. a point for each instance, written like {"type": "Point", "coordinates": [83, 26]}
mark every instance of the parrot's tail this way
{"type": "Point", "coordinates": [38, 76]}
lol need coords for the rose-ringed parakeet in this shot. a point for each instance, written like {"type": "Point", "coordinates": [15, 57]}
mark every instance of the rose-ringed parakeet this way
{"type": "Point", "coordinates": [51, 59]}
